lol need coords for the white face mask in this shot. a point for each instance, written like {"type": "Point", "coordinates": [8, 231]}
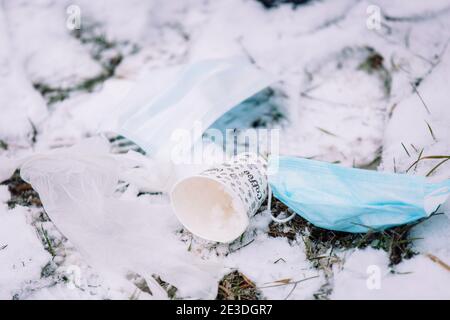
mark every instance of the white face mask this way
{"type": "Point", "coordinates": [181, 98]}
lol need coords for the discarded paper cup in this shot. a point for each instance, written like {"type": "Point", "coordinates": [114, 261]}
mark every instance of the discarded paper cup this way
{"type": "Point", "coordinates": [217, 203]}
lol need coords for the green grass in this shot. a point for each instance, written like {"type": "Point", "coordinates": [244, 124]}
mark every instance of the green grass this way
{"type": "Point", "coordinates": [47, 241]}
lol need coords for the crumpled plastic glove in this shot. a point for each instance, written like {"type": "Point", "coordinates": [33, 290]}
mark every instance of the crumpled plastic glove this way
{"type": "Point", "coordinates": [77, 188]}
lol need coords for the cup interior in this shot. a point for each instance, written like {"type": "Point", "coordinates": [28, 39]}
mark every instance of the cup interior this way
{"type": "Point", "coordinates": [209, 209]}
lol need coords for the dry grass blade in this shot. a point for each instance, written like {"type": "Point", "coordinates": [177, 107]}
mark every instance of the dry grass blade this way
{"type": "Point", "coordinates": [437, 166]}
{"type": "Point", "coordinates": [420, 97]}
{"type": "Point", "coordinates": [236, 286]}
{"type": "Point", "coordinates": [426, 158]}
{"type": "Point", "coordinates": [225, 290]}
{"type": "Point", "coordinates": [243, 246]}
{"type": "Point", "coordinates": [438, 261]}
{"type": "Point", "coordinates": [406, 150]}
{"type": "Point", "coordinates": [247, 280]}
{"type": "Point", "coordinates": [431, 131]}
{"type": "Point", "coordinates": [287, 283]}
{"type": "Point", "coordinates": [420, 155]}
{"type": "Point", "coordinates": [326, 132]}
{"type": "Point", "coordinates": [290, 292]}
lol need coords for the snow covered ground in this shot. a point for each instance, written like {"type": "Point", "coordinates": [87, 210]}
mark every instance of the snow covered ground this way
{"type": "Point", "coordinates": [353, 89]}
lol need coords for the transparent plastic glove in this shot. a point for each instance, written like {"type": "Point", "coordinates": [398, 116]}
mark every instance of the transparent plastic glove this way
{"type": "Point", "coordinates": [186, 99]}
{"type": "Point", "coordinates": [158, 174]}
{"type": "Point", "coordinates": [353, 200]}
{"type": "Point", "coordinates": [77, 188]}
{"type": "Point", "coordinates": [147, 174]}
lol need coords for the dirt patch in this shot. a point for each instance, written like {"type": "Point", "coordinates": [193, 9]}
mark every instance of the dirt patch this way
{"type": "Point", "coordinates": [21, 192]}
{"type": "Point", "coordinates": [236, 286]}
{"type": "Point", "coordinates": [320, 243]}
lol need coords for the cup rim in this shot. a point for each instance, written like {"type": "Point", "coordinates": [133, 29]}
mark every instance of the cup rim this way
{"type": "Point", "coordinates": [230, 191]}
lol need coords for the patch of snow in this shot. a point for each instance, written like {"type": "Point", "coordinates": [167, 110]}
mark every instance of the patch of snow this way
{"type": "Point", "coordinates": [22, 256]}
{"type": "Point", "coordinates": [365, 275]}
{"type": "Point", "coordinates": [421, 121]}
{"type": "Point", "coordinates": [4, 194]}
{"type": "Point", "coordinates": [48, 52]}
{"type": "Point", "coordinates": [280, 270]}
{"type": "Point", "coordinates": [433, 235]}
{"type": "Point", "coordinates": [21, 106]}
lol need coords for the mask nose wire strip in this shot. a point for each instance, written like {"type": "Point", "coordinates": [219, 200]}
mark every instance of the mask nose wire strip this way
{"type": "Point", "coordinates": [269, 208]}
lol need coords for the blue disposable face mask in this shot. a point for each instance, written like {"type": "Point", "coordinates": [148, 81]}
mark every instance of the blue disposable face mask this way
{"type": "Point", "coordinates": [352, 200]}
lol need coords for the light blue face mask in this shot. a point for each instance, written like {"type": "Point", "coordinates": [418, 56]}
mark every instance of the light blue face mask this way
{"type": "Point", "coordinates": [352, 200]}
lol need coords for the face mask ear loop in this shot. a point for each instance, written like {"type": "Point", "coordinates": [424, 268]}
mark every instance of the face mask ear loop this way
{"type": "Point", "coordinates": [269, 208]}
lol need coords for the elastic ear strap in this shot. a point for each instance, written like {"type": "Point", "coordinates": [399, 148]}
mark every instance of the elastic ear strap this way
{"type": "Point", "coordinates": [269, 208]}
